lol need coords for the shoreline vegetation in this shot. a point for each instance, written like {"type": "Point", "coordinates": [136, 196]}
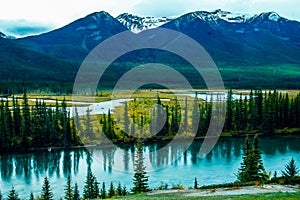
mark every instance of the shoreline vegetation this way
{"type": "Point", "coordinates": [26, 127]}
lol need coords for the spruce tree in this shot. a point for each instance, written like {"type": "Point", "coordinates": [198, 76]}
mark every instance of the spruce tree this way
{"type": "Point", "coordinates": [103, 191]}
{"type": "Point", "coordinates": [111, 191]}
{"type": "Point", "coordinates": [195, 115]}
{"type": "Point", "coordinates": [126, 119]}
{"type": "Point", "coordinates": [119, 189]}
{"type": "Point", "coordinates": [259, 173]}
{"type": "Point", "coordinates": [140, 181]}
{"type": "Point", "coordinates": [46, 190]}
{"type": "Point", "coordinates": [291, 170]}
{"type": "Point", "coordinates": [95, 188]}
{"type": "Point", "coordinates": [68, 190]}
{"type": "Point", "coordinates": [13, 195]}
{"type": "Point", "coordinates": [124, 191]}
{"type": "Point", "coordinates": [88, 191]}
{"type": "Point", "coordinates": [26, 122]}
{"type": "Point", "coordinates": [229, 115]}
{"type": "Point", "coordinates": [195, 184]}
{"type": "Point", "coordinates": [31, 196]}
{"type": "Point", "coordinates": [252, 168]}
{"type": "Point", "coordinates": [243, 171]}
{"type": "Point", "coordinates": [76, 193]}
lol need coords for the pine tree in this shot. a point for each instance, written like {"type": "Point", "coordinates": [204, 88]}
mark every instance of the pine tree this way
{"type": "Point", "coordinates": [195, 184]}
{"type": "Point", "coordinates": [195, 115]}
{"type": "Point", "coordinates": [259, 172]}
{"type": "Point", "coordinates": [111, 191]}
{"type": "Point", "coordinates": [124, 191]}
{"type": "Point", "coordinates": [126, 119]}
{"type": "Point", "coordinates": [185, 119]}
{"type": "Point", "coordinates": [119, 189]}
{"type": "Point", "coordinates": [252, 168]}
{"type": "Point", "coordinates": [140, 181]}
{"type": "Point", "coordinates": [243, 173]}
{"type": "Point", "coordinates": [76, 193]}
{"type": "Point", "coordinates": [31, 196]}
{"type": "Point", "coordinates": [95, 188]}
{"type": "Point", "coordinates": [291, 170]}
{"type": "Point", "coordinates": [69, 190]}
{"type": "Point", "coordinates": [229, 115]}
{"type": "Point", "coordinates": [89, 188]}
{"type": "Point", "coordinates": [46, 190]}
{"type": "Point", "coordinates": [1, 195]}
{"type": "Point", "coordinates": [13, 195]}
{"type": "Point", "coordinates": [26, 122]}
{"type": "Point", "coordinates": [103, 191]}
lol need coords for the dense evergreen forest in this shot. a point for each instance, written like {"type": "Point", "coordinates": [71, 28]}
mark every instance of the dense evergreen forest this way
{"type": "Point", "coordinates": [24, 126]}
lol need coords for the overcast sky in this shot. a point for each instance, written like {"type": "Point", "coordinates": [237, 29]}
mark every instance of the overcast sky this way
{"type": "Point", "coordinates": [24, 17]}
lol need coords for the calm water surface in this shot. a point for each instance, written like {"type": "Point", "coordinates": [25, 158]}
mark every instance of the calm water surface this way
{"type": "Point", "coordinates": [27, 171]}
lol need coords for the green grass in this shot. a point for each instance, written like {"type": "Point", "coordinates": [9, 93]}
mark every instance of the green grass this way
{"type": "Point", "coordinates": [267, 196]}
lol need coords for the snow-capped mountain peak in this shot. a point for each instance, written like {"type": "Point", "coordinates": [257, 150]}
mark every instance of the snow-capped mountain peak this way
{"type": "Point", "coordinates": [224, 15]}
{"type": "Point", "coordinates": [273, 16]}
{"type": "Point", "coordinates": [137, 24]}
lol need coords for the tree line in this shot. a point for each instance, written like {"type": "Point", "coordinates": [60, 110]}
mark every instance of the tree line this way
{"type": "Point", "coordinates": [260, 111]}
{"type": "Point", "coordinates": [25, 126]}
{"type": "Point", "coordinates": [264, 112]}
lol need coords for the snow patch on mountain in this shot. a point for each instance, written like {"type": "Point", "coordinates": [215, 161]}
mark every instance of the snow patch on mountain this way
{"type": "Point", "coordinates": [224, 15]}
{"type": "Point", "coordinates": [137, 24]}
{"type": "Point", "coordinates": [274, 16]}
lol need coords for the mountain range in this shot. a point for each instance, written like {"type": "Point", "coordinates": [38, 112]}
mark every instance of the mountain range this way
{"type": "Point", "coordinates": [238, 43]}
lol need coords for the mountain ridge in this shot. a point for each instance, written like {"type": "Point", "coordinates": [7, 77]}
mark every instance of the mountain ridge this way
{"type": "Point", "coordinates": [232, 40]}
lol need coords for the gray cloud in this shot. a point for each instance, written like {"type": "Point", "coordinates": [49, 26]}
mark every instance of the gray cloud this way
{"type": "Point", "coordinates": [22, 28]}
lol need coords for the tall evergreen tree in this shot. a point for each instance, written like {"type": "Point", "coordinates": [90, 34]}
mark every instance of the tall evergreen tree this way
{"type": "Point", "coordinates": [140, 181]}
{"type": "Point", "coordinates": [185, 119]}
{"type": "Point", "coordinates": [126, 119]}
{"type": "Point", "coordinates": [96, 189]}
{"type": "Point", "coordinates": [26, 122]}
{"type": "Point", "coordinates": [13, 195]}
{"type": "Point", "coordinates": [291, 170]}
{"type": "Point", "coordinates": [103, 191]}
{"type": "Point", "coordinates": [89, 186]}
{"type": "Point", "coordinates": [252, 166]}
{"type": "Point", "coordinates": [31, 196]}
{"type": "Point", "coordinates": [119, 189]}
{"type": "Point", "coordinates": [76, 192]}
{"type": "Point", "coordinates": [195, 115]}
{"type": "Point", "coordinates": [195, 184]}
{"type": "Point", "coordinates": [111, 191]}
{"type": "Point", "coordinates": [124, 191]}
{"type": "Point", "coordinates": [243, 174]}
{"type": "Point", "coordinates": [69, 190]}
{"type": "Point", "coordinates": [46, 190]}
{"type": "Point", "coordinates": [229, 113]}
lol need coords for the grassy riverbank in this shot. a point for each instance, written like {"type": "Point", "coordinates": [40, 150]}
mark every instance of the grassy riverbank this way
{"type": "Point", "coordinates": [267, 196]}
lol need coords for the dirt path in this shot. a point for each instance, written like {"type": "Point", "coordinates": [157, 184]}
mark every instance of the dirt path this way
{"type": "Point", "coordinates": [229, 191]}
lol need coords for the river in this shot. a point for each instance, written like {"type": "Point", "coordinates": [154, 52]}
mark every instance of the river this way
{"type": "Point", "coordinates": [109, 163]}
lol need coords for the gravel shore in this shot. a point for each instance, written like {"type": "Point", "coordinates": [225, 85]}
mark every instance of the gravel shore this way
{"type": "Point", "coordinates": [229, 191]}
